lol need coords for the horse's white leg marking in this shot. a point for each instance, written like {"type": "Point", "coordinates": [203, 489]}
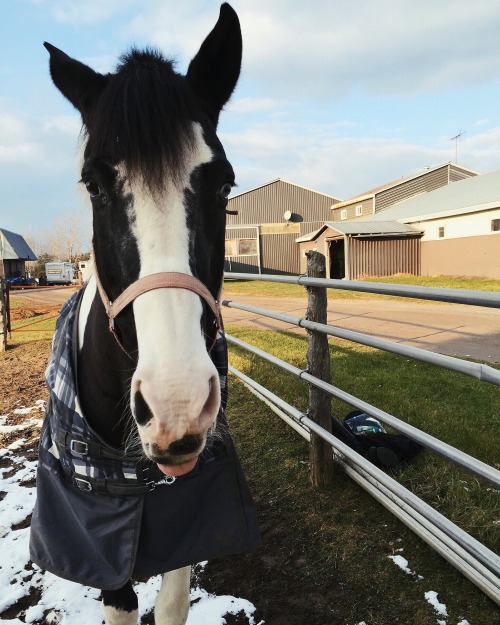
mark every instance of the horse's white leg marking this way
{"type": "Point", "coordinates": [88, 298]}
{"type": "Point", "coordinates": [119, 617]}
{"type": "Point", "coordinates": [174, 373]}
{"type": "Point", "coordinates": [172, 602]}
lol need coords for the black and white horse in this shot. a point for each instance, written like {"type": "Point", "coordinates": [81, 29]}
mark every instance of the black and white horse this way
{"type": "Point", "coordinates": [158, 180]}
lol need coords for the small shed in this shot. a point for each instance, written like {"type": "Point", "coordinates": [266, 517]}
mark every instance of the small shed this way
{"type": "Point", "coordinates": [356, 249]}
{"type": "Point", "coordinates": [14, 253]}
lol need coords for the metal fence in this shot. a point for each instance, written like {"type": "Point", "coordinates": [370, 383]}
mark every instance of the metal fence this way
{"type": "Point", "coordinates": [478, 563]}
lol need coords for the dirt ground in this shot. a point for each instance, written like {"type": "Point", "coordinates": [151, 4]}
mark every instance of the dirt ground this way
{"type": "Point", "coordinates": [271, 580]}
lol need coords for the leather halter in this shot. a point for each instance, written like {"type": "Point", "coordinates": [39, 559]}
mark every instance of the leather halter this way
{"type": "Point", "coordinates": [163, 280]}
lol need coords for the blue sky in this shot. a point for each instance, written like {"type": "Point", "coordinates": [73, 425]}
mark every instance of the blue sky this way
{"type": "Point", "coordinates": [339, 96]}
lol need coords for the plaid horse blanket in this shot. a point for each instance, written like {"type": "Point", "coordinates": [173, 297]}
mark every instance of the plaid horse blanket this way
{"type": "Point", "coordinates": [102, 516]}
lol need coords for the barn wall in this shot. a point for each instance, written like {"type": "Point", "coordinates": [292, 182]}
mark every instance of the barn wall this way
{"type": "Point", "coordinates": [466, 256]}
{"type": "Point", "coordinates": [366, 208]}
{"type": "Point", "coordinates": [241, 264]}
{"type": "Point", "coordinates": [382, 256]}
{"type": "Point", "coordinates": [280, 254]}
{"type": "Point", "coordinates": [319, 245]}
{"type": "Point", "coordinates": [268, 203]}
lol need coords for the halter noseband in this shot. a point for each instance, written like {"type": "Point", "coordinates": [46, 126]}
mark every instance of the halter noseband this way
{"type": "Point", "coordinates": [163, 280]}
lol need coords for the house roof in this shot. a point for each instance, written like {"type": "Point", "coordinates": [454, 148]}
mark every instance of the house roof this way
{"type": "Point", "coordinates": [14, 247]}
{"type": "Point", "coordinates": [464, 196]}
{"type": "Point", "coordinates": [336, 199]}
{"type": "Point", "coordinates": [362, 228]}
{"type": "Point", "coordinates": [394, 183]}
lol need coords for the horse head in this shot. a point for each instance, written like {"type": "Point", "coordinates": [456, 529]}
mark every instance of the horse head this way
{"type": "Point", "coordinates": [158, 181]}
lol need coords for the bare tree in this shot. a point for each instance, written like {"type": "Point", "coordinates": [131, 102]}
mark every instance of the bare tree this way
{"type": "Point", "coordinates": [66, 239]}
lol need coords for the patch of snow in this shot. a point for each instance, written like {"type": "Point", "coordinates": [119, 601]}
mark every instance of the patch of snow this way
{"type": "Point", "coordinates": [403, 565]}
{"type": "Point", "coordinates": [440, 608]}
{"type": "Point", "coordinates": [39, 405]}
{"type": "Point", "coordinates": [16, 444]}
{"type": "Point", "coordinates": [211, 609]}
{"type": "Point", "coordinates": [8, 429]}
{"type": "Point", "coordinates": [35, 613]}
{"type": "Point", "coordinates": [463, 622]}
{"type": "Point", "coordinates": [17, 505]}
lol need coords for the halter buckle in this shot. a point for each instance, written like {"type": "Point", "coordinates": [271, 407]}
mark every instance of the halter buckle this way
{"type": "Point", "coordinates": [83, 484]}
{"type": "Point", "coordinates": [79, 447]}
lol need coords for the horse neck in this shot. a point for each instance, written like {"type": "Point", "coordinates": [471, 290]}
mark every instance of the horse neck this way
{"type": "Point", "coordinates": [104, 372]}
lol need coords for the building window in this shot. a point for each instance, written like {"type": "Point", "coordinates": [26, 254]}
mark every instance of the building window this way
{"type": "Point", "coordinates": [343, 214]}
{"type": "Point", "coordinates": [441, 232]}
{"type": "Point", "coordinates": [247, 247]}
{"type": "Point", "coordinates": [230, 248]}
{"type": "Point", "coordinates": [495, 225]}
{"type": "Point", "coordinates": [359, 210]}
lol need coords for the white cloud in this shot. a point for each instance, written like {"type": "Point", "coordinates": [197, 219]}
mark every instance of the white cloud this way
{"type": "Point", "coordinates": [327, 159]}
{"type": "Point", "coordinates": [253, 105]}
{"type": "Point", "coordinates": [392, 46]}
{"type": "Point", "coordinates": [88, 12]}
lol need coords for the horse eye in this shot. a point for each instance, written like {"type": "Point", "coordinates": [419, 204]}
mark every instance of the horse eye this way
{"type": "Point", "coordinates": [92, 187]}
{"type": "Point", "coordinates": [225, 190]}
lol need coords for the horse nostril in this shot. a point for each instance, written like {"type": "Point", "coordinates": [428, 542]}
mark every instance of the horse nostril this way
{"type": "Point", "coordinates": [186, 445]}
{"type": "Point", "coordinates": [142, 412]}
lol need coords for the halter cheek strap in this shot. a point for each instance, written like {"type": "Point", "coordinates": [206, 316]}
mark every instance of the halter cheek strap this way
{"type": "Point", "coordinates": [164, 280]}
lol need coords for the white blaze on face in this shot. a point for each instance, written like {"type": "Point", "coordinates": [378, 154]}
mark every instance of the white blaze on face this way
{"type": "Point", "coordinates": [175, 375]}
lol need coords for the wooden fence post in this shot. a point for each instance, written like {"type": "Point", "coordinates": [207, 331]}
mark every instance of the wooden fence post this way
{"type": "Point", "coordinates": [318, 365]}
{"type": "Point", "coordinates": [3, 314]}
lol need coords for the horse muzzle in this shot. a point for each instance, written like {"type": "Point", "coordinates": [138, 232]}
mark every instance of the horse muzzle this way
{"type": "Point", "coordinates": [181, 456]}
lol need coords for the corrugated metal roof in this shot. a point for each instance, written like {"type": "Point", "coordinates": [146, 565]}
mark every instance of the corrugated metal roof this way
{"type": "Point", "coordinates": [371, 227]}
{"type": "Point", "coordinates": [14, 247]}
{"type": "Point", "coordinates": [398, 181]}
{"type": "Point", "coordinates": [469, 194]}
{"type": "Point", "coordinates": [335, 199]}
{"type": "Point", "coordinates": [362, 228]}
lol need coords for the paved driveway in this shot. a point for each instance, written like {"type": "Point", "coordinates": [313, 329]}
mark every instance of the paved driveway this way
{"type": "Point", "coordinates": [46, 295]}
{"type": "Point", "coordinates": [452, 329]}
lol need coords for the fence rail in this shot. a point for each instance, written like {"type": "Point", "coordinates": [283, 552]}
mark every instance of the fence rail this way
{"type": "Point", "coordinates": [469, 556]}
{"type": "Point", "coordinates": [477, 370]}
{"type": "Point", "coordinates": [451, 296]}
{"type": "Point", "coordinates": [473, 559]}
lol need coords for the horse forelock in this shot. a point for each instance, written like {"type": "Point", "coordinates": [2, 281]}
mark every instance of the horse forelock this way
{"type": "Point", "coordinates": [144, 120]}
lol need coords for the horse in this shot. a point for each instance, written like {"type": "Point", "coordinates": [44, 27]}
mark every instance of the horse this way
{"type": "Point", "coordinates": [137, 472]}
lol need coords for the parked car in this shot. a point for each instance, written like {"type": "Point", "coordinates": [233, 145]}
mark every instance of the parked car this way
{"type": "Point", "coordinates": [20, 281]}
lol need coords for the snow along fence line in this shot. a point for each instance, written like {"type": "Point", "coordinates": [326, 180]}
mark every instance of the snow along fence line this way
{"type": "Point", "coordinates": [473, 559]}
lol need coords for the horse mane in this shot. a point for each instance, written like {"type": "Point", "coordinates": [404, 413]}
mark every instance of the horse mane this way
{"type": "Point", "coordinates": [143, 119]}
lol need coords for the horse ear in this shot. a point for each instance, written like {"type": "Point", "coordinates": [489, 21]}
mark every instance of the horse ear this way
{"type": "Point", "coordinates": [214, 71]}
{"type": "Point", "coordinates": [76, 81]}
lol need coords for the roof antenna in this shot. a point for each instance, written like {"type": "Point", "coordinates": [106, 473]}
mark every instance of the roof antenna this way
{"type": "Point", "coordinates": [455, 139]}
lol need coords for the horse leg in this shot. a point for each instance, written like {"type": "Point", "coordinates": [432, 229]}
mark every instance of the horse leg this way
{"type": "Point", "coordinates": [120, 606]}
{"type": "Point", "coordinates": [172, 602]}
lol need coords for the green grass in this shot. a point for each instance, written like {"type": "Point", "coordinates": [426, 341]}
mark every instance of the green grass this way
{"type": "Point", "coordinates": [461, 411]}
{"type": "Point", "coordinates": [44, 326]}
{"type": "Point", "coordinates": [342, 534]}
{"type": "Point", "coordinates": [275, 289]}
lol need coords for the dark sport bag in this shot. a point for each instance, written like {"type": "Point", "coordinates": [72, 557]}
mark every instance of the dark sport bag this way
{"type": "Point", "coordinates": [366, 435]}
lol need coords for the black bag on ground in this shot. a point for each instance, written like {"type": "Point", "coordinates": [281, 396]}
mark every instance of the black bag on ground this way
{"type": "Point", "coordinates": [366, 435]}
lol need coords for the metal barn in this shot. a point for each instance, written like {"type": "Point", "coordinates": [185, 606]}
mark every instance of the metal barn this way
{"type": "Point", "coordinates": [261, 238]}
